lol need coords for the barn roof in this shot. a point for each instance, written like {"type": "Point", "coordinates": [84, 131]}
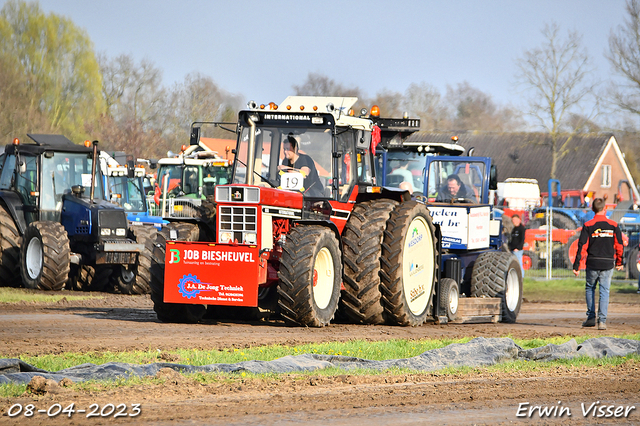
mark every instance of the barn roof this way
{"type": "Point", "coordinates": [527, 155]}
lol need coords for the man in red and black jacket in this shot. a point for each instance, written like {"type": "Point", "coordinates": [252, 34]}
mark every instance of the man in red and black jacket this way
{"type": "Point", "coordinates": [604, 252]}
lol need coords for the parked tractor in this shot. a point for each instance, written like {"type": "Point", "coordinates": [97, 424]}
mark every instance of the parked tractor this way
{"type": "Point", "coordinates": [186, 182]}
{"type": "Point", "coordinates": [301, 216]}
{"type": "Point", "coordinates": [56, 228]}
{"type": "Point", "coordinates": [472, 262]}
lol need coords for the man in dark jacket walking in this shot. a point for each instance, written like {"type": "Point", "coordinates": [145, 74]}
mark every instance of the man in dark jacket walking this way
{"type": "Point", "coordinates": [604, 251]}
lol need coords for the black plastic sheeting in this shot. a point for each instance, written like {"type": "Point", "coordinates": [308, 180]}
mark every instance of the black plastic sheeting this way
{"type": "Point", "coordinates": [476, 353]}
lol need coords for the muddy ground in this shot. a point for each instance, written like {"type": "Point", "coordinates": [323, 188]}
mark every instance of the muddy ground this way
{"type": "Point", "coordinates": [121, 323]}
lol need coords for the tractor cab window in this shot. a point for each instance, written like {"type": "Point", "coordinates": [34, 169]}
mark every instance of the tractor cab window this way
{"type": "Point", "coordinates": [60, 172]}
{"type": "Point", "coordinates": [26, 182]}
{"type": "Point", "coordinates": [7, 172]}
{"type": "Point", "coordinates": [405, 170]}
{"type": "Point", "coordinates": [347, 164]}
{"type": "Point", "coordinates": [127, 193]}
{"type": "Point", "coordinates": [172, 172]}
{"type": "Point", "coordinates": [295, 159]}
{"type": "Point", "coordinates": [455, 181]}
{"type": "Point", "coordinates": [212, 176]}
{"type": "Point", "coordinates": [191, 181]}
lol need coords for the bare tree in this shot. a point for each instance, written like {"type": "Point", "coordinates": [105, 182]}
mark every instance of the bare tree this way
{"type": "Point", "coordinates": [424, 101]}
{"type": "Point", "coordinates": [476, 110]}
{"type": "Point", "coordinates": [624, 56]}
{"type": "Point", "coordinates": [556, 76]}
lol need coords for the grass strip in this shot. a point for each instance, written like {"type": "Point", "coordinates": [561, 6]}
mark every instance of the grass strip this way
{"type": "Point", "coordinates": [18, 295]}
{"type": "Point", "coordinates": [572, 290]}
{"type": "Point", "coordinates": [390, 349]}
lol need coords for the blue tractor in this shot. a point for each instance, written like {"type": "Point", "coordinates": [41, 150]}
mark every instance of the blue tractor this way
{"type": "Point", "coordinates": [472, 261]}
{"type": "Point", "coordinates": [56, 229]}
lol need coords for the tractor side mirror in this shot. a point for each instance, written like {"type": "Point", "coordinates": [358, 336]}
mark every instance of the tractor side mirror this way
{"type": "Point", "coordinates": [195, 136]}
{"type": "Point", "coordinates": [493, 177]}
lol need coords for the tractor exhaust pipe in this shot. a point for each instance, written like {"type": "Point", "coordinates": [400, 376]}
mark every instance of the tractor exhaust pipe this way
{"type": "Point", "coordinates": [251, 155]}
{"type": "Point", "coordinates": [93, 171]}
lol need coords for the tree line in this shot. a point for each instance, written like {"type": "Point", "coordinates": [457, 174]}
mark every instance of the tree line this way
{"type": "Point", "coordinates": [53, 81]}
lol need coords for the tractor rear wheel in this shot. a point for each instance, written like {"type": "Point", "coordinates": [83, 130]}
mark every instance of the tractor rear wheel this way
{"type": "Point", "coordinates": [9, 250]}
{"type": "Point", "coordinates": [135, 279]}
{"type": "Point", "coordinates": [362, 246]}
{"type": "Point", "coordinates": [172, 312]}
{"type": "Point", "coordinates": [90, 278]}
{"type": "Point", "coordinates": [45, 256]}
{"type": "Point", "coordinates": [498, 274]}
{"type": "Point", "coordinates": [408, 264]}
{"type": "Point", "coordinates": [310, 276]}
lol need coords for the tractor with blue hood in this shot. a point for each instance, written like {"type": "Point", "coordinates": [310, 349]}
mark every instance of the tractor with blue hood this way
{"type": "Point", "coordinates": [57, 230]}
{"type": "Point", "coordinates": [458, 190]}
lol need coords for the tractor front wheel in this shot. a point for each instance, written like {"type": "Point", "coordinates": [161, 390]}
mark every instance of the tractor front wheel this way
{"type": "Point", "coordinates": [310, 276]}
{"type": "Point", "coordinates": [45, 256]}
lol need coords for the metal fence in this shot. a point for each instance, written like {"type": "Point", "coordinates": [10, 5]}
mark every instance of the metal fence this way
{"type": "Point", "coordinates": [551, 242]}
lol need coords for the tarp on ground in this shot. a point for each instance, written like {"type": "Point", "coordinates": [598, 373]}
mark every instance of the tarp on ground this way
{"type": "Point", "coordinates": [478, 352]}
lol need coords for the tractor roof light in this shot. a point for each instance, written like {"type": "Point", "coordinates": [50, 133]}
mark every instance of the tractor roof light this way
{"type": "Point", "coordinates": [315, 107]}
{"type": "Point", "coordinates": [288, 107]}
{"type": "Point", "coordinates": [301, 107]}
{"type": "Point", "coordinates": [273, 106]}
{"type": "Point", "coordinates": [351, 112]}
{"type": "Point", "coordinates": [330, 107]}
{"type": "Point", "coordinates": [375, 111]}
{"type": "Point", "coordinates": [16, 141]}
{"type": "Point", "coordinates": [262, 106]}
{"type": "Point", "coordinates": [363, 112]}
{"type": "Point", "coordinates": [252, 105]}
{"type": "Point", "coordinates": [87, 143]}
{"type": "Point", "coordinates": [454, 139]}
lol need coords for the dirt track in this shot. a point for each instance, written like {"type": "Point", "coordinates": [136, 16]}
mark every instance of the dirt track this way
{"type": "Point", "coordinates": [118, 323]}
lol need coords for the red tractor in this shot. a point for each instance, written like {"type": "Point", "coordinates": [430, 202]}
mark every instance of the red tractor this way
{"type": "Point", "coordinates": [302, 229]}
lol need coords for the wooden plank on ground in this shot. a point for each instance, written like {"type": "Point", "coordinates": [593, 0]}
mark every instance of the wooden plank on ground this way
{"type": "Point", "coordinates": [474, 310]}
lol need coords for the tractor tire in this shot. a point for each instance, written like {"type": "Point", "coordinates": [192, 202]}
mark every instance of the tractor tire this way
{"type": "Point", "coordinates": [362, 246]}
{"type": "Point", "coordinates": [172, 312]}
{"type": "Point", "coordinates": [45, 256]}
{"type": "Point", "coordinates": [530, 260]}
{"type": "Point", "coordinates": [408, 265]}
{"type": "Point", "coordinates": [90, 278]}
{"type": "Point", "coordinates": [632, 263]}
{"type": "Point", "coordinates": [9, 250]}
{"type": "Point", "coordinates": [560, 221]}
{"type": "Point", "coordinates": [310, 276]}
{"type": "Point", "coordinates": [449, 297]}
{"type": "Point", "coordinates": [135, 279]}
{"type": "Point", "coordinates": [498, 274]}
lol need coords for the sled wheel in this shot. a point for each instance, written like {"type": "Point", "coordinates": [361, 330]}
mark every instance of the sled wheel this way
{"type": "Point", "coordinates": [450, 297]}
{"type": "Point", "coordinates": [498, 274]}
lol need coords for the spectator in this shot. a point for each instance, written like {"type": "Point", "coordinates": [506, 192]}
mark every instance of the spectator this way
{"type": "Point", "coordinates": [604, 250]}
{"type": "Point", "coordinates": [516, 242]}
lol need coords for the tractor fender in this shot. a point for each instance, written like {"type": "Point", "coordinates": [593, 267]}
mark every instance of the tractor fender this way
{"type": "Point", "coordinates": [326, 223]}
{"type": "Point", "coordinates": [395, 194]}
{"type": "Point", "coordinates": [15, 207]}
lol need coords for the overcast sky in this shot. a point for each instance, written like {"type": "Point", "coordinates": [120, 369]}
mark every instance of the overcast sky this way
{"type": "Point", "coordinates": [259, 49]}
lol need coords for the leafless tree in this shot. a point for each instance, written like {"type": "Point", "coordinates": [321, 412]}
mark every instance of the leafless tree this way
{"type": "Point", "coordinates": [624, 56]}
{"type": "Point", "coordinates": [424, 101]}
{"type": "Point", "coordinates": [556, 76]}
